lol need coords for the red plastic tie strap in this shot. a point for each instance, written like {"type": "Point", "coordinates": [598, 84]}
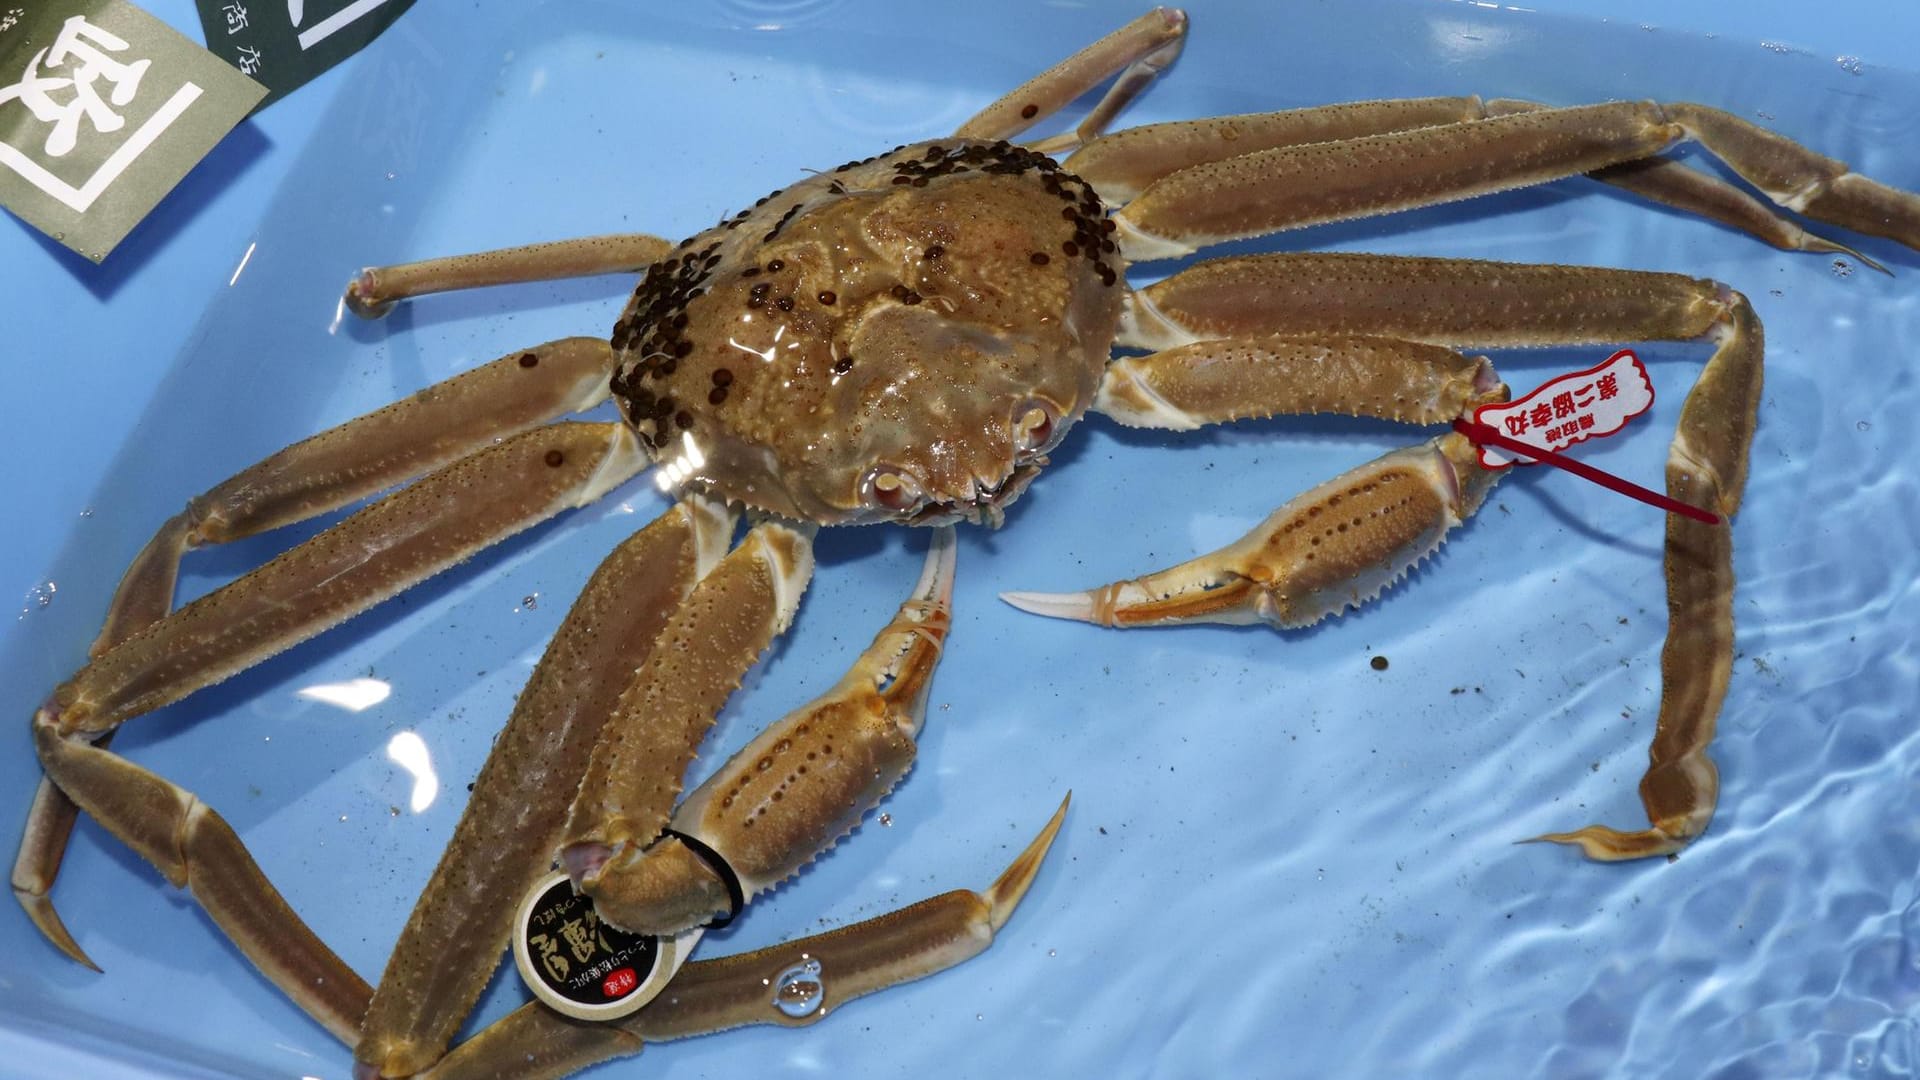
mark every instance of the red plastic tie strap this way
{"type": "Point", "coordinates": [1486, 435]}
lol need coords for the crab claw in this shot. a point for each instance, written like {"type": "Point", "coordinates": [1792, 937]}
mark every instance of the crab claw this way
{"type": "Point", "coordinates": [1336, 546]}
{"type": "Point", "coordinates": [806, 781]}
{"type": "Point", "coordinates": [732, 991]}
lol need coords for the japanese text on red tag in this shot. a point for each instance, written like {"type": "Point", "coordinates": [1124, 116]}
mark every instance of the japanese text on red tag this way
{"type": "Point", "coordinates": [1569, 409]}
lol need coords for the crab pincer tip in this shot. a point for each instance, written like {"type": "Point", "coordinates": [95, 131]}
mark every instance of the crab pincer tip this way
{"type": "Point", "coordinates": [1078, 606]}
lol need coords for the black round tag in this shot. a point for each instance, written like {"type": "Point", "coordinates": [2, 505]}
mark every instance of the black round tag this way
{"type": "Point", "coordinates": [578, 964]}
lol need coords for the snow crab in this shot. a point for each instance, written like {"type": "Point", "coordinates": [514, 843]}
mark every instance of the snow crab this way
{"type": "Point", "coordinates": [906, 339]}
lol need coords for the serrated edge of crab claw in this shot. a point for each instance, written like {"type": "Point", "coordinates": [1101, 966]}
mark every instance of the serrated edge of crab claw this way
{"type": "Point", "coordinates": [892, 677]}
{"type": "Point", "coordinates": [1333, 547]}
{"type": "Point", "coordinates": [804, 782]}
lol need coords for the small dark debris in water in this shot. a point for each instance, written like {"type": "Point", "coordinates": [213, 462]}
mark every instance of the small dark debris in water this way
{"type": "Point", "coordinates": [1103, 830]}
{"type": "Point", "coordinates": [1763, 667]}
{"type": "Point", "coordinates": [1595, 766]}
{"type": "Point", "coordinates": [1458, 690]}
{"type": "Point", "coordinates": [1379, 663]}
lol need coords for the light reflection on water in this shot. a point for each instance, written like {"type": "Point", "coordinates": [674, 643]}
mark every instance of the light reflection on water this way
{"type": "Point", "coordinates": [409, 751]}
{"type": "Point", "coordinates": [353, 695]}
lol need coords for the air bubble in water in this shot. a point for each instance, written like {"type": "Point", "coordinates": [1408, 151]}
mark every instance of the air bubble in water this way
{"type": "Point", "coordinates": [38, 598]}
{"type": "Point", "coordinates": [799, 991]}
{"type": "Point", "coordinates": [1852, 65]}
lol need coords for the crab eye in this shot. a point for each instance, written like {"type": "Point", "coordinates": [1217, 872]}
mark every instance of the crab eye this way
{"type": "Point", "coordinates": [1034, 422]}
{"type": "Point", "coordinates": [897, 491]}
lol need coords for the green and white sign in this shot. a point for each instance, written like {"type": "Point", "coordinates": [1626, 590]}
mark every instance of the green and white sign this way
{"type": "Point", "coordinates": [283, 43]}
{"type": "Point", "coordinates": [103, 108]}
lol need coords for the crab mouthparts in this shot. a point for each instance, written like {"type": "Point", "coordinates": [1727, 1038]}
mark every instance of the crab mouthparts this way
{"type": "Point", "coordinates": [989, 502]}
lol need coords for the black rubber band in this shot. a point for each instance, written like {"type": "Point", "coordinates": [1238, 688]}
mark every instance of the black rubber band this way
{"type": "Point", "coordinates": [736, 896]}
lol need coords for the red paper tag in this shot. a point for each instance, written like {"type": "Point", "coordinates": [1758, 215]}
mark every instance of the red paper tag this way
{"type": "Point", "coordinates": [1569, 409]}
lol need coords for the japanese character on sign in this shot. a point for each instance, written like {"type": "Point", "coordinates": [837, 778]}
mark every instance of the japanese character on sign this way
{"type": "Point", "coordinates": [550, 957]}
{"type": "Point", "coordinates": [236, 15]}
{"type": "Point", "coordinates": [248, 58]}
{"type": "Point", "coordinates": [80, 52]}
{"type": "Point", "coordinates": [11, 18]}
{"type": "Point", "coordinates": [579, 939]}
{"type": "Point", "coordinates": [1569, 409]}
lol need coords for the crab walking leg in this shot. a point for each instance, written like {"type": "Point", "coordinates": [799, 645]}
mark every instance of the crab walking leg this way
{"type": "Point", "coordinates": [1460, 302]}
{"type": "Point", "coordinates": [1799, 179]}
{"type": "Point", "coordinates": [1706, 467]}
{"type": "Point", "coordinates": [365, 455]}
{"type": "Point", "coordinates": [374, 290]}
{"type": "Point", "coordinates": [376, 553]}
{"type": "Point", "coordinates": [358, 458]}
{"type": "Point", "coordinates": [511, 826]}
{"type": "Point", "coordinates": [1294, 186]}
{"type": "Point", "coordinates": [1443, 300]}
{"type": "Point", "coordinates": [1673, 184]}
{"type": "Point", "coordinates": [1211, 382]}
{"type": "Point", "coordinates": [802, 784]}
{"type": "Point", "coordinates": [195, 849]}
{"type": "Point", "coordinates": [372, 555]}
{"type": "Point", "coordinates": [43, 844]}
{"type": "Point", "coordinates": [734, 991]}
{"type": "Point", "coordinates": [1139, 51]}
{"type": "Point", "coordinates": [1122, 165]}
{"type": "Point", "coordinates": [628, 789]}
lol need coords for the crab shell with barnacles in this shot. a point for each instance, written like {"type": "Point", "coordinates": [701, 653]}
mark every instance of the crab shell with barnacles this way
{"type": "Point", "coordinates": [904, 339]}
